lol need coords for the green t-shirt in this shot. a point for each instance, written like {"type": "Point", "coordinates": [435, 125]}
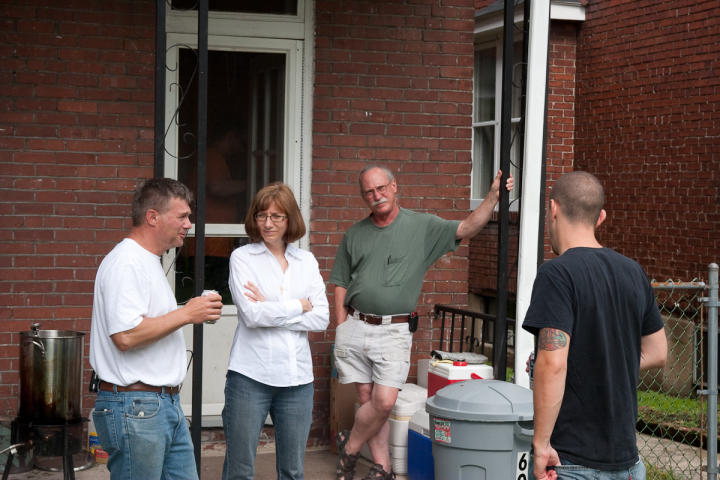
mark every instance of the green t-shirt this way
{"type": "Point", "coordinates": [383, 268]}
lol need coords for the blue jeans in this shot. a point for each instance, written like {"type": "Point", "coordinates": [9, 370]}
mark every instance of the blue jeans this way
{"type": "Point", "coordinates": [571, 471]}
{"type": "Point", "coordinates": [247, 404]}
{"type": "Point", "coordinates": [145, 435]}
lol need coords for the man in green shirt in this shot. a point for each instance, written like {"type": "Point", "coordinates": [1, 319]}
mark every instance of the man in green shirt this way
{"type": "Point", "coordinates": [378, 274]}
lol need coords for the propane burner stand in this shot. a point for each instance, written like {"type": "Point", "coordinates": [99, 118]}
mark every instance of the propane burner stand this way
{"type": "Point", "coordinates": [59, 440]}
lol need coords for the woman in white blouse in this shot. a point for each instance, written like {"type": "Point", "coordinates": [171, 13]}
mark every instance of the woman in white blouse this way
{"type": "Point", "coordinates": [280, 297]}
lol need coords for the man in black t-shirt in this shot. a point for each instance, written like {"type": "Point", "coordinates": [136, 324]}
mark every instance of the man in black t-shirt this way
{"type": "Point", "coordinates": [594, 314]}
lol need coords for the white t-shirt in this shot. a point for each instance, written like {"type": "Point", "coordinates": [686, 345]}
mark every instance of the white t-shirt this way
{"type": "Point", "coordinates": [271, 341]}
{"type": "Point", "coordinates": [130, 284]}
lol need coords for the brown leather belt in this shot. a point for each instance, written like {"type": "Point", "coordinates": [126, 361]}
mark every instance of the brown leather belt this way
{"type": "Point", "coordinates": [137, 387]}
{"type": "Point", "coordinates": [378, 320]}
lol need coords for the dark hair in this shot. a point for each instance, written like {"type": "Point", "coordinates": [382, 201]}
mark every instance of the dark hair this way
{"type": "Point", "coordinates": [580, 197]}
{"type": "Point", "coordinates": [285, 200]}
{"type": "Point", "coordinates": [155, 193]}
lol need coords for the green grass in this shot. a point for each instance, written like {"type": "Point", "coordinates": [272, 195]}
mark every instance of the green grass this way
{"type": "Point", "coordinates": [656, 408]}
{"type": "Point", "coordinates": [654, 473]}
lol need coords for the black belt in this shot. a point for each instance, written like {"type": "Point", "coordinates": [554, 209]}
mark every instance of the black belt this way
{"type": "Point", "coordinates": [137, 387]}
{"type": "Point", "coordinates": [378, 319]}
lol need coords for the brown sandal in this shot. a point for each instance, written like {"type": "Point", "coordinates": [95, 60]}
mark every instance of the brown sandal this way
{"type": "Point", "coordinates": [345, 469]}
{"type": "Point", "coordinates": [377, 472]}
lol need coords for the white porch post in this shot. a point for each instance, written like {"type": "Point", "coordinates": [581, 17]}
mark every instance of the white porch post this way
{"type": "Point", "coordinates": [531, 178]}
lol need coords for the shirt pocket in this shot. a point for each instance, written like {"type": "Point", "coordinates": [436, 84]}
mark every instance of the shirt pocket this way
{"type": "Point", "coordinates": [396, 268]}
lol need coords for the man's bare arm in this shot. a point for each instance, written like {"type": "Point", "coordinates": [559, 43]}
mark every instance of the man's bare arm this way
{"type": "Point", "coordinates": [653, 350]}
{"type": "Point", "coordinates": [151, 329]}
{"type": "Point", "coordinates": [341, 310]}
{"type": "Point", "coordinates": [548, 391]}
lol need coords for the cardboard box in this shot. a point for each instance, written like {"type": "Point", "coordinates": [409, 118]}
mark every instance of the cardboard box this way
{"type": "Point", "coordinates": [342, 408]}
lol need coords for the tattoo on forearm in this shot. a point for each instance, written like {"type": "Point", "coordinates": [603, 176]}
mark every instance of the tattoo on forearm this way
{"type": "Point", "coordinates": [552, 339]}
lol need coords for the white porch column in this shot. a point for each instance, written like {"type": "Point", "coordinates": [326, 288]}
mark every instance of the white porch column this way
{"type": "Point", "coordinates": [531, 178]}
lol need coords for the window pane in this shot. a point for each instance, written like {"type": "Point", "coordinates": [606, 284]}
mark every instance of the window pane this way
{"type": "Point", "coordinates": [246, 94]}
{"type": "Point", "coordinates": [482, 171]}
{"type": "Point", "coordinates": [484, 100]}
{"type": "Point", "coordinates": [217, 267]}
{"type": "Point", "coordinates": [279, 7]}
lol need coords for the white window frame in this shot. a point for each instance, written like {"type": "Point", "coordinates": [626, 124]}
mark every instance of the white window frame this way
{"type": "Point", "coordinates": [489, 23]}
{"type": "Point", "coordinates": [497, 43]}
{"type": "Point", "coordinates": [289, 35]}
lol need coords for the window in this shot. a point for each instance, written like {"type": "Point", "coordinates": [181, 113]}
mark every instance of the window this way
{"type": "Point", "coordinates": [487, 104]}
{"type": "Point", "coordinates": [257, 133]}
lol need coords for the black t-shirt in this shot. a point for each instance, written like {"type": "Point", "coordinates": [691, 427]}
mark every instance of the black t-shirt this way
{"type": "Point", "coordinates": [604, 301]}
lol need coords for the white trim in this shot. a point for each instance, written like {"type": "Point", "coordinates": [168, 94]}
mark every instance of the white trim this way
{"type": "Point", "coordinates": [243, 24]}
{"type": "Point", "coordinates": [559, 10]}
{"type": "Point", "coordinates": [497, 44]}
{"type": "Point", "coordinates": [493, 22]}
{"type": "Point", "coordinates": [293, 52]}
{"type": "Point", "coordinates": [304, 190]}
{"type": "Point", "coordinates": [569, 11]}
{"type": "Point", "coordinates": [532, 168]}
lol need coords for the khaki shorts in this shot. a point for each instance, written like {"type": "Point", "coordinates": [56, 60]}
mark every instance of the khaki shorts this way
{"type": "Point", "coordinates": [366, 353]}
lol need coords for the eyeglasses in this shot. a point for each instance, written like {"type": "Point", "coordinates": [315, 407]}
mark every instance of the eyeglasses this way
{"type": "Point", "coordinates": [274, 218]}
{"type": "Point", "coordinates": [380, 189]}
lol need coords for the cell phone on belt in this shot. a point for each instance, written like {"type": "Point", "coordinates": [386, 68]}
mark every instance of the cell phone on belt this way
{"type": "Point", "coordinates": [94, 382]}
{"type": "Point", "coordinates": [413, 321]}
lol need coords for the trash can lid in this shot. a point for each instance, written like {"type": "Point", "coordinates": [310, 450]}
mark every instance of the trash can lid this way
{"type": "Point", "coordinates": [482, 400]}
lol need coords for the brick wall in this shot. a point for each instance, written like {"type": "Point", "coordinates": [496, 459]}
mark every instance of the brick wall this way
{"type": "Point", "coordinates": [394, 86]}
{"type": "Point", "coordinates": [648, 124]}
{"type": "Point", "coordinates": [76, 119]}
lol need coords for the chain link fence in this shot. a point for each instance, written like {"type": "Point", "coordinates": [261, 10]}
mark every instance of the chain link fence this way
{"type": "Point", "coordinates": [672, 414]}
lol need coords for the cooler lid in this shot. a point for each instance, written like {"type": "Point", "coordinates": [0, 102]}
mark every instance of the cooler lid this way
{"type": "Point", "coordinates": [482, 400]}
{"type": "Point", "coordinates": [411, 398]}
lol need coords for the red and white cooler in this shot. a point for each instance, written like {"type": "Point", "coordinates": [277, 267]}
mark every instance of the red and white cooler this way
{"type": "Point", "coordinates": [442, 374]}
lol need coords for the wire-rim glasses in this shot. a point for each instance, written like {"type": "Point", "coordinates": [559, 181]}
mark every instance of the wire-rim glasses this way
{"type": "Point", "coordinates": [274, 218]}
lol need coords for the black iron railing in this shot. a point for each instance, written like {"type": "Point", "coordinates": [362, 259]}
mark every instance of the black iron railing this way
{"type": "Point", "coordinates": [464, 337]}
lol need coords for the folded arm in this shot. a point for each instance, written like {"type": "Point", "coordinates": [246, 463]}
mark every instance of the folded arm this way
{"type": "Point", "coordinates": [307, 313]}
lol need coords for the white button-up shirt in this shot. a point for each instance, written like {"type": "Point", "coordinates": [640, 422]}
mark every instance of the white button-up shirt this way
{"type": "Point", "coordinates": [271, 341]}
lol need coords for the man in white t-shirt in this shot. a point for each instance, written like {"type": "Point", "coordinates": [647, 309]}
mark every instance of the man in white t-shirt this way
{"type": "Point", "coordinates": [136, 346]}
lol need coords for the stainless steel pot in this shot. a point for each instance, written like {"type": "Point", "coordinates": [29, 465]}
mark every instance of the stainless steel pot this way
{"type": "Point", "coordinates": [51, 375]}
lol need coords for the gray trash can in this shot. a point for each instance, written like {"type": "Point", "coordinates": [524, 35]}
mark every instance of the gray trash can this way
{"type": "Point", "coordinates": [481, 430]}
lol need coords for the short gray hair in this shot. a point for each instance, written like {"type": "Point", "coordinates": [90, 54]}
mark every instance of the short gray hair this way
{"type": "Point", "coordinates": [388, 173]}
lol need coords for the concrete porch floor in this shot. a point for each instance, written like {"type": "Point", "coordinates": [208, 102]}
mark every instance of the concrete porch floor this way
{"type": "Point", "coordinates": [319, 465]}
{"type": "Point", "coordinates": [320, 462]}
